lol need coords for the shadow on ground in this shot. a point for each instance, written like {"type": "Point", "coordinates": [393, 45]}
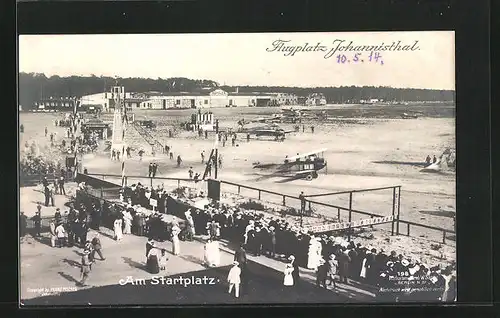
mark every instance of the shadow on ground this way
{"type": "Point", "coordinates": [442, 213]}
{"type": "Point", "coordinates": [405, 163]}
{"type": "Point", "coordinates": [266, 286]}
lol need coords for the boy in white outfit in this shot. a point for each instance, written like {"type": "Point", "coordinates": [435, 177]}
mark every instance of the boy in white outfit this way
{"type": "Point", "coordinates": [234, 279]}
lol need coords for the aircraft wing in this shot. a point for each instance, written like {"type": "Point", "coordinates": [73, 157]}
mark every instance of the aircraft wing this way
{"type": "Point", "coordinates": [299, 173]}
{"type": "Point", "coordinates": [304, 155]}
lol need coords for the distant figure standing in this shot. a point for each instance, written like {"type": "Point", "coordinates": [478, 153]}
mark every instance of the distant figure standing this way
{"type": "Point", "coordinates": [312, 129]}
{"type": "Point", "coordinates": [141, 152]}
{"type": "Point", "coordinates": [248, 137]}
{"type": "Point", "coordinates": [220, 161]}
{"type": "Point", "coordinates": [302, 199]}
{"type": "Point", "coordinates": [62, 190]}
{"type": "Point", "coordinates": [113, 154]}
{"type": "Point", "coordinates": [179, 161]}
{"type": "Point", "coordinates": [190, 172]}
{"type": "Point", "coordinates": [150, 169]}
{"type": "Point", "coordinates": [85, 268]}
{"type": "Point", "coordinates": [428, 159]}
{"type": "Point", "coordinates": [176, 248]}
{"type": "Point", "coordinates": [203, 156]}
{"type": "Point", "coordinates": [128, 153]}
{"type": "Point", "coordinates": [434, 159]}
{"type": "Point", "coordinates": [37, 219]}
{"type": "Point", "coordinates": [171, 155]}
{"type": "Point", "coordinates": [21, 128]}
{"type": "Point", "coordinates": [303, 128]}
{"type": "Point", "coordinates": [46, 131]}
{"type": "Point", "coordinates": [155, 169]}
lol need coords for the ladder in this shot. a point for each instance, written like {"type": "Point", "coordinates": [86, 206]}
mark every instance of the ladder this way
{"type": "Point", "coordinates": [152, 141]}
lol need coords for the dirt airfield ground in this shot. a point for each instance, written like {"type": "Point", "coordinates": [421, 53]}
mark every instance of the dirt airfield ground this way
{"type": "Point", "coordinates": [363, 153]}
{"type": "Point", "coordinates": [367, 147]}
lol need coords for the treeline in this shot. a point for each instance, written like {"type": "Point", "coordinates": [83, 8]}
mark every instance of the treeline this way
{"type": "Point", "coordinates": [33, 87]}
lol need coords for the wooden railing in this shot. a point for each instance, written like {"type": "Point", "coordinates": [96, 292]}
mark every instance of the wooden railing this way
{"type": "Point", "coordinates": [395, 226]}
{"type": "Point", "coordinates": [285, 198]}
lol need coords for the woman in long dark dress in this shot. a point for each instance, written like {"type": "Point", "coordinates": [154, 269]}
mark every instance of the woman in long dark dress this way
{"type": "Point", "coordinates": [153, 265]}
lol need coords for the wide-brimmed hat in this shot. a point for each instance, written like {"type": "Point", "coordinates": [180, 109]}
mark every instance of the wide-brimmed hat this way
{"type": "Point", "coordinates": [291, 258]}
{"type": "Point", "coordinates": [236, 263]}
{"type": "Point", "coordinates": [405, 262]}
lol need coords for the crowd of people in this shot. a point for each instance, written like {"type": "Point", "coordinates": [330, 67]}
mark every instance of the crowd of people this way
{"type": "Point", "coordinates": [334, 259]}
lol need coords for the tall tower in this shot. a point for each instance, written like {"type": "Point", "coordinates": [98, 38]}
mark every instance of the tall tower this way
{"type": "Point", "coordinates": [119, 120]}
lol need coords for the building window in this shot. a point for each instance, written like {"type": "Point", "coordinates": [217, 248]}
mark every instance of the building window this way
{"type": "Point", "coordinates": [177, 102]}
{"type": "Point", "coordinates": [206, 102]}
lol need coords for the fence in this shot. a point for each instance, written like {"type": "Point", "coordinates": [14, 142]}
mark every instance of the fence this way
{"type": "Point", "coordinates": [343, 213]}
{"type": "Point", "coordinates": [331, 211]}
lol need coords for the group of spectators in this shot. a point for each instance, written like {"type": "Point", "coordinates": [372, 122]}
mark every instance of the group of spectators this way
{"type": "Point", "coordinates": [274, 237]}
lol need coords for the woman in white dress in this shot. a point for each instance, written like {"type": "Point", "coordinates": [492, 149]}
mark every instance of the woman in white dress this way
{"type": "Point", "coordinates": [206, 256]}
{"type": "Point", "coordinates": [176, 248]}
{"type": "Point", "coordinates": [215, 253]}
{"type": "Point", "coordinates": [288, 280]}
{"type": "Point", "coordinates": [311, 254]}
{"type": "Point", "coordinates": [127, 217]}
{"type": "Point", "coordinates": [117, 227]}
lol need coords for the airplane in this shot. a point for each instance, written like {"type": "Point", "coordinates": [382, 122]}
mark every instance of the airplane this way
{"type": "Point", "coordinates": [302, 166]}
{"type": "Point", "coordinates": [271, 130]}
{"type": "Point", "coordinates": [408, 116]}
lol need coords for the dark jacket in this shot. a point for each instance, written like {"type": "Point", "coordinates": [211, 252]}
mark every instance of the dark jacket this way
{"type": "Point", "coordinates": [240, 256]}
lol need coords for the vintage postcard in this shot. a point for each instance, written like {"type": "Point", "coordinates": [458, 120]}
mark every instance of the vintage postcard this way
{"type": "Point", "coordinates": [259, 168]}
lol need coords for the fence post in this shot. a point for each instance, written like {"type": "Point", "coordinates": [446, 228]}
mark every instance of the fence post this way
{"type": "Point", "coordinates": [102, 193]}
{"type": "Point", "coordinates": [125, 181]}
{"type": "Point", "coordinates": [178, 184]}
{"type": "Point", "coordinates": [151, 182]}
{"type": "Point", "coordinates": [408, 229]}
{"type": "Point", "coordinates": [338, 214]}
{"type": "Point", "coordinates": [284, 200]}
{"type": "Point", "coordinates": [399, 209]}
{"type": "Point", "coordinates": [350, 217]}
{"type": "Point", "coordinates": [393, 209]}
{"type": "Point", "coordinates": [239, 189]}
{"type": "Point", "coordinates": [444, 237]}
{"type": "Point", "coordinates": [259, 194]}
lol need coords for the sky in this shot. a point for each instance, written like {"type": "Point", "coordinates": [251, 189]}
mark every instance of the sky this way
{"type": "Point", "coordinates": [252, 58]}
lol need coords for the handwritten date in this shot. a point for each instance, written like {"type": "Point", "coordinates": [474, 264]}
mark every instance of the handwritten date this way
{"type": "Point", "coordinates": [358, 58]}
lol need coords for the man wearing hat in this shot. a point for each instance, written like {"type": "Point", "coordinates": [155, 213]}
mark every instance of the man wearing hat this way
{"type": "Point", "coordinates": [37, 219]}
{"type": "Point", "coordinates": [322, 273]}
{"type": "Point", "coordinates": [234, 279]}
{"type": "Point", "coordinates": [240, 256]}
{"type": "Point", "coordinates": [85, 268]}
{"type": "Point", "coordinates": [97, 248]}
{"type": "Point", "coordinates": [149, 245]}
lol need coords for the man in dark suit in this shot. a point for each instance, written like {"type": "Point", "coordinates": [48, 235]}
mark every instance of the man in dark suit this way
{"type": "Point", "coordinates": [322, 274]}
{"type": "Point", "coordinates": [97, 247]}
{"type": "Point", "coordinates": [240, 256]}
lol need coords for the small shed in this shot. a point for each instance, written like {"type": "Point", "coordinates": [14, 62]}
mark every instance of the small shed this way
{"type": "Point", "coordinates": [97, 126]}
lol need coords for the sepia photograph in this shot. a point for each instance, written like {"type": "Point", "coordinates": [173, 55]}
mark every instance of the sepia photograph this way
{"type": "Point", "coordinates": [226, 168]}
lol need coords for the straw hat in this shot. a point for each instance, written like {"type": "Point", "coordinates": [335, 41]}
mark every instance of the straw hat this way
{"type": "Point", "coordinates": [291, 258]}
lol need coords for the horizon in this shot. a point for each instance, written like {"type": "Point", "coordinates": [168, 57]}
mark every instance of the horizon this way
{"type": "Point", "coordinates": [249, 59]}
{"type": "Point", "coordinates": [237, 86]}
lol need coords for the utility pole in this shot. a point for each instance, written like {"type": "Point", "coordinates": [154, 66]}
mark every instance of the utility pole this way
{"type": "Point", "coordinates": [216, 159]}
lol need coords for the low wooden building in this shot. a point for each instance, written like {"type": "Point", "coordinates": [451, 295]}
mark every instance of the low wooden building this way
{"type": "Point", "coordinates": [94, 125]}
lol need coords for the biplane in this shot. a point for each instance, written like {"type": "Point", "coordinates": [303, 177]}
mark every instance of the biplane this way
{"type": "Point", "coordinates": [302, 166]}
{"type": "Point", "coordinates": [271, 130]}
{"type": "Point", "coordinates": [408, 116]}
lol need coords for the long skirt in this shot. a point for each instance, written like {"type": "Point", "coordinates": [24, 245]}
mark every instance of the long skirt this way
{"type": "Point", "coordinates": [176, 248]}
{"type": "Point", "coordinates": [152, 265]}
